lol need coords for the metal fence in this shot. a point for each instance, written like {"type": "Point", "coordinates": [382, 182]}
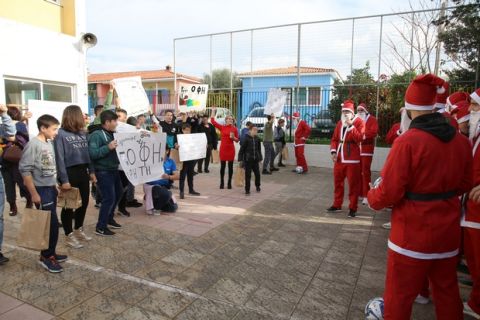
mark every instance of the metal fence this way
{"type": "Point", "coordinates": [370, 59]}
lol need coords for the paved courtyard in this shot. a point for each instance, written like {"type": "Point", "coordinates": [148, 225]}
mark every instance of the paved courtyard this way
{"type": "Point", "coordinates": [273, 255]}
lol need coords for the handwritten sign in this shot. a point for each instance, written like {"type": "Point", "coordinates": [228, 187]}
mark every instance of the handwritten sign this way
{"type": "Point", "coordinates": [40, 107]}
{"type": "Point", "coordinates": [277, 98]}
{"type": "Point", "coordinates": [192, 146]}
{"type": "Point", "coordinates": [141, 155]}
{"type": "Point", "coordinates": [192, 97]}
{"type": "Point", "coordinates": [133, 97]}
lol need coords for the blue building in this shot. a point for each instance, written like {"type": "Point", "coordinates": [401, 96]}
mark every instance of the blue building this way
{"type": "Point", "coordinates": [314, 92]}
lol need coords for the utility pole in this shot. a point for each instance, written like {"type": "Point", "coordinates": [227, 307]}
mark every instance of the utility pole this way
{"type": "Point", "coordinates": [439, 43]}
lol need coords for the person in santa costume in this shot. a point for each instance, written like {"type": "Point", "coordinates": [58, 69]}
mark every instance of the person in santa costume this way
{"type": "Point", "coordinates": [471, 218]}
{"type": "Point", "coordinates": [367, 147]}
{"type": "Point", "coordinates": [463, 117]}
{"type": "Point", "coordinates": [441, 105]}
{"type": "Point", "coordinates": [301, 135]}
{"type": "Point", "coordinates": [396, 129]}
{"type": "Point", "coordinates": [420, 185]}
{"type": "Point", "coordinates": [345, 151]}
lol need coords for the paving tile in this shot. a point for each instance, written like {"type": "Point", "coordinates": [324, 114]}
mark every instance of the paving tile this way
{"type": "Point", "coordinates": [194, 280]}
{"type": "Point", "coordinates": [128, 292]}
{"type": "Point", "coordinates": [183, 257]}
{"type": "Point", "coordinates": [165, 302]}
{"type": "Point", "coordinates": [8, 303]}
{"type": "Point", "coordinates": [63, 298]}
{"type": "Point", "coordinates": [95, 281]}
{"type": "Point", "coordinates": [204, 310]}
{"type": "Point", "coordinates": [136, 313]}
{"type": "Point", "coordinates": [26, 312]}
{"type": "Point", "coordinates": [160, 271]}
{"type": "Point", "coordinates": [28, 290]}
{"type": "Point", "coordinates": [97, 307]}
{"type": "Point", "coordinates": [234, 291]}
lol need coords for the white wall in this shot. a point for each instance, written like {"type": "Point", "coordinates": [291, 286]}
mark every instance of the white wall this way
{"type": "Point", "coordinates": [40, 54]}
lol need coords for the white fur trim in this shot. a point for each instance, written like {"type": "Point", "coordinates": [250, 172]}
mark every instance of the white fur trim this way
{"type": "Point", "coordinates": [398, 133]}
{"type": "Point", "coordinates": [350, 161]}
{"type": "Point", "coordinates": [421, 255]}
{"type": "Point", "coordinates": [415, 107]}
{"type": "Point", "coordinates": [440, 90]}
{"type": "Point", "coordinates": [448, 104]}
{"type": "Point", "coordinates": [464, 119]}
{"type": "Point", "coordinates": [475, 97]}
{"type": "Point", "coordinates": [366, 154]}
{"type": "Point", "coordinates": [347, 109]}
{"type": "Point", "coordinates": [299, 145]}
{"type": "Point", "coordinates": [440, 106]}
{"type": "Point", "coordinates": [333, 150]}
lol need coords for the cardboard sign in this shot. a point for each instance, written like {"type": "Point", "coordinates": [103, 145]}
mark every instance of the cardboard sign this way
{"type": "Point", "coordinates": [192, 97]}
{"type": "Point", "coordinates": [277, 98]}
{"type": "Point", "coordinates": [132, 95]}
{"type": "Point", "coordinates": [192, 146]}
{"type": "Point", "coordinates": [40, 107]}
{"type": "Point", "coordinates": [141, 155]}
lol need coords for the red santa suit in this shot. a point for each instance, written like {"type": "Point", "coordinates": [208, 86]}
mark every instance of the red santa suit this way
{"type": "Point", "coordinates": [424, 192]}
{"type": "Point", "coordinates": [346, 145]}
{"type": "Point", "coordinates": [393, 133]}
{"type": "Point", "coordinates": [301, 135]}
{"type": "Point", "coordinates": [471, 227]}
{"type": "Point", "coordinates": [367, 148]}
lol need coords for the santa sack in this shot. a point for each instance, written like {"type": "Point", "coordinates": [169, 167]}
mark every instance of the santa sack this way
{"type": "Point", "coordinates": [285, 153]}
{"type": "Point", "coordinates": [34, 232]}
{"type": "Point", "coordinates": [215, 156]}
{"type": "Point", "coordinates": [239, 177]}
{"type": "Point", "coordinates": [175, 156]}
{"type": "Point", "coordinates": [69, 199]}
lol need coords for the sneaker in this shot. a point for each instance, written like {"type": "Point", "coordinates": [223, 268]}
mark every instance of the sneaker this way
{"type": "Point", "coordinates": [334, 209]}
{"type": "Point", "coordinates": [182, 195]}
{"type": "Point", "coordinates": [80, 235]}
{"type": "Point", "coordinates": [352, 213]}
{"type": "Point", "coordinates": [274, 169]}
{"type": "Point", "coordinates": [194, 193]}
{"type": "Point", "coordinates": [61, 258]}
{"type": "Point", "coordinates": [104, 232]}
{"type": "Point", "coordinates": [200, 171]}
{"type": "Point", "coordinates": [29, 204]}
{"type": "Point", "coordinates": [157, 212]}
{"type": "Point", "coordinates": [123, 212]}
{"type": "Point", "coordinates": [258, 189]}
{"type": "Point", "coordinates": [3, 259]}
{"type": "Point", "coordinates": [207, 171]}
{"type": "Point", "coordinates": [114, 224]}
{"type": "Point", "coordinates": [421, 300]}
{"type": "Point", "coordinates": [247, 193]}
{"type": "Point", "coordinates": [266, 172]}
{"type": "Point", "coordinates": [73, 242]}
{"type": "Point", "coordinates": [133, 204]}
{"type": "Point", "coordinates": [281, 165]}
{"type": "Point", "coordinates": [13, 209]}
{"type": "Point", "coordinates": [195, 173]}
{"type": "Point", "coordinates": [222, 186]}
{"type": "Point", "coordinates": [469, 311]}
{"type": "Point", "coordinates": [51, 264]}
{"type": "Point", "coordinates": [365, 201]}
{"type": "Point", "coordinates": [229, 186]}
{"type": "Point", "coordinates": [97, 205]}
{"type": "Point", "coordinates": [387, 225]}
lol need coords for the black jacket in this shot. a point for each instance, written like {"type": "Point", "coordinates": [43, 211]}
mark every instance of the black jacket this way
{"type": "Point", "coordinates": [250, 150]}
{"type": "Point", "coordinates": [211, 133]}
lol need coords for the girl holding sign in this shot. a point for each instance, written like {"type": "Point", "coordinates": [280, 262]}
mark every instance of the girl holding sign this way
{"type": "Point", "coordinates": [229, 135]}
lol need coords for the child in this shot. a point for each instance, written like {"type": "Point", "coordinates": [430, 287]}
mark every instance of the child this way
{"type": "Point", "coordinates": [187, 170]}
{"type": "Point", "coordinates": [251, 155]}
{"type": "Point", "coordinates": [39, 172]}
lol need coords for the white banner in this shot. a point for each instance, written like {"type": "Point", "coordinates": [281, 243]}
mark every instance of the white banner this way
{"type": "Point", "coordinates": [40, 107]}
{"type": "Point", "coordinates": [192, 97]}
{"type": "Point", "coordinates": [277, 98]}
{"type": "Point", "coordinates": [141, 155]}
{"type": "Point", "coordinates": [192, 146]}
{"type": "Point", "coordinates": [132, 95]}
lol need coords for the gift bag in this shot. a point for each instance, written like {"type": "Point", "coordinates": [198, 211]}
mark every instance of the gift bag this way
{"type": "Point", "coordinates": [69, 199]}
{"type": "Point", "coordinates": [175, 156]}
{"type": "Point", "coordinates": [34, 232]}
{"type": "Point", "coordinates": [239, 177]}
{"type": "Point", "coordinates": [215, 156]}
{"type": "Point", "coordinates": [285, 153]}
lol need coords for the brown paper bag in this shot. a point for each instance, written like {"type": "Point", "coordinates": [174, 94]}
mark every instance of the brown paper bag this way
{"type": "Point", "coordinates": [239, 177]}
{"type": "Point", "coordinates": [215, 156]}
{"type": "Point", "coordinates": [34, 232]}
{"type": "Point", "coordinates": [69, 199]}
{"type": "Point", "coordinates": [284, 153]}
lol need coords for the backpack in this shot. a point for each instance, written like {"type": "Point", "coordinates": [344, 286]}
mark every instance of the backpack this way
{"type": "Point", "coordinates": [163, 199]}
{"type": "Point", "coordinates": [12, 152]}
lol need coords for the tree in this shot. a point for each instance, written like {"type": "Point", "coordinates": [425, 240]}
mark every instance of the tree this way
{"type": "Point", "coordinates": [220, 79]}
{"type": "Point", "coordinates": [461, 40]}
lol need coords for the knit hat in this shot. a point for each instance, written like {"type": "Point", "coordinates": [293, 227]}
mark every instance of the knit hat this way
{"type": "Point", "coordinates": [422, 92]}
{"type": "Point", "coordinates": [441, 98]}
{"type": "Point", "coordinates": [456, 97]}
{"type": "Point", "coordinates": [348, 105]}
{"type": "Point", "coordinates": [475, 96]}
{"type": "Point", "coordinates": [362, 106]}
{"type": "Point", "coordinates": [463, 112]}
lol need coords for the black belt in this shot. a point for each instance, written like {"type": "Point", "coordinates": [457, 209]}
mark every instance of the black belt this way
{"type": "Point", "coordinates": [430, 196]}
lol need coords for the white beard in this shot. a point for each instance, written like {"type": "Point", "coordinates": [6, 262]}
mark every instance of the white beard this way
{"type": "Point", "coordinates": [473, 124]}
{"type": "Point", "coordinates": [405, 122]}
{"type": "Point", "coordinates": [362, 116]}
{"type": "Point", "coordinates": [344, 119]}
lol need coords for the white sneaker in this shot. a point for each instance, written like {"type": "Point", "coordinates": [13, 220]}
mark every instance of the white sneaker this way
{"type": "Point", "coordinates": [387, 225]}
{"type": "Point", "coordinates": [73, 242]}
{"type": "Point", "coordinates": [80, 235]}
{"type": "Point", "coordinates": [468, 311]}
{"type": "Point", "coordinates": [421, 300]}
{"type": "Point", "coordinates": [365, 201]}
{"type": "Point", "coordinates": [157, 212]}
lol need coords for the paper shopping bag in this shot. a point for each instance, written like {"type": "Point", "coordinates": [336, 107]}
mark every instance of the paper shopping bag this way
{"type": "Point", "coordinates": [34, 232]}
{"type": "Point", "coordinates": [284, 153]}
{"type": "Point", "coordinates": [215, 156]}
{"type": "Point", "coordinates": [239, 177]}
{"type": "Point", "coordinates": [69, 199]}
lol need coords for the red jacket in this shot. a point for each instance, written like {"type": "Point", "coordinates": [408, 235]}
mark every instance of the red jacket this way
{"type": "Point", "coordinates": [453, 121]}
{"type": "Point", "coordinates": [346, 141]}
{"type": "Point", "coordinates": [422, 164]}
{"type": "Point", "coordinates": [371, 131]}
{"type": "Point", "coordinates": [471, 218]}
{"type": "Point", "coordinates": [393, 133]}
{"type": "Point", "coordinates": [227, 148]}
{"type": "Point", "coordinates": [302, 133]}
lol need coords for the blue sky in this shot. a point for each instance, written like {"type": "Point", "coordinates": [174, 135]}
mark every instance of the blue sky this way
{"type": "Point", "coordinates": [138, 35]}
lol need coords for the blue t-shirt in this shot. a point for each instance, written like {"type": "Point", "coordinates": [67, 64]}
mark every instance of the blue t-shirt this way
{"type": "Point", "coordinates": [169, 167]}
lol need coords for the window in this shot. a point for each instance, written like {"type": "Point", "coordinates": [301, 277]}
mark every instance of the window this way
{"type": "Point", "coordinates": [19, 91]}
{"type": "Point", "coordinates": [59, 93]}
{"type": "Point", "coordinates": [314, 96]}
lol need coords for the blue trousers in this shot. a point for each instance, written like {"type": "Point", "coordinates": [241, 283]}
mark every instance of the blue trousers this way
{"type": "Point", "coordinates": [48, 195]}
{"type": "Point", "coordinates": [110, 186]}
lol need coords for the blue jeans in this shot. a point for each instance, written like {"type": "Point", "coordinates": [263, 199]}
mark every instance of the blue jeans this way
{"type": "Point", "coordinates": [110, 187]}
{"type": "Point", "coordinates": [2, 207]}
{"type": "Point", "coordinates": [48, 195]}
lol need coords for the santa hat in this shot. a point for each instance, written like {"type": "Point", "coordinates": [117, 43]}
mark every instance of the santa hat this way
{"type": "Point", "coordinates": [441, 98]}
{"type": "Point", "coordinates": [362, 106]}
{"type": "Point", "coordinates": [462, 111]}
{"type": "Point", "coordinates": [456, 97]}
{"type": "Point", "coordinates": [421, 93]}
{"type": "Point", "coordinates": [475, 96]}
{"type": "Point", "coordinates": [348, 105]}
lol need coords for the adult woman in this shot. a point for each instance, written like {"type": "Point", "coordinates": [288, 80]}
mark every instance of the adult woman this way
{"type": "Point", "coordinates": [74, 170]}
{"type": "Point", "coordinates": [11, 174]}
{"type": "Point", "coordinates": [229, 135]}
